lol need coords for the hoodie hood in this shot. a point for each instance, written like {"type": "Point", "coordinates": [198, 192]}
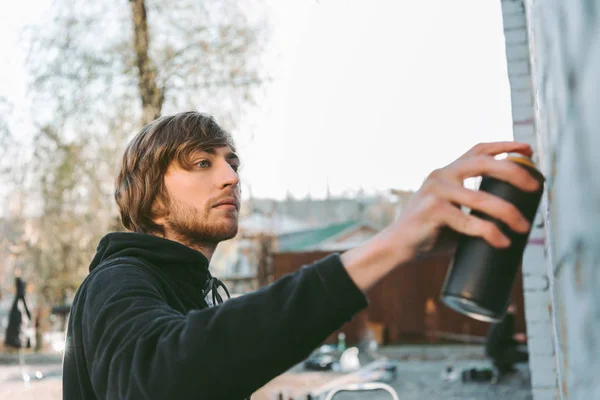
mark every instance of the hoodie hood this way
{"type": "Point", "coordinates": [170, 256]}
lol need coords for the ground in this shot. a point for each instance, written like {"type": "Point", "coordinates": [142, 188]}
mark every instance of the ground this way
{"type": "Point", "coordinates": [419, 377]}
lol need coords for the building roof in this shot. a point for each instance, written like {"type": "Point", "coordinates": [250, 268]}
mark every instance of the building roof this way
{"type": "Point", "coordinates": [275, 224]}
{"type": "Point", "coordinates": [314, 212]}
{"type": "Point", "coordinates": [311, 238]}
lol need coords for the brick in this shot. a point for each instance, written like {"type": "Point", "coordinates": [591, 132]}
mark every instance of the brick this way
{"type": "Point", "coordinates": [544, 362]}
{"type": "Point", "coordinates": [534, 260]}
{"type": "Point", "coordinates": [520, 82]}
{"type": "Point", "coordinates": [514, 21]}
{"type": "Point", "coordinates": [521, 99]}
{"type": "Point", "coordinates": [536, 312]}
{"type": "Point", "coordinates": [524, 130]}
{"type": "Point", "coordinates": [518, 68]}
{"type": "Point", "coordinates": [537, 315]}
{"type": "Point", "coordinates": [516, 36]}
{"type": "Point", "coordinates": [537, 299]}
{"type": "Point", "coordinates": [539, 329]}
{"type": "Point", "coordinates": [545, 394]}
{"type": "Point", "coordinates": [540, 337]}
{"type": "Point", "coordinates": [532, 141]}
{"type": "Point", "coordinates": [543, 371]}
{"type": "Point", "coordinates": [516, 92]}
{"type": "Point", "coordinates": [511, 7]}
{"type": "Point", "coordinates": [531, 267]}
{"type": "Point", "coordinates": [541, 346]}
{"type": "Point", "coordinates": [520, 113]}
{"type": "Point", "coordinates": [540, 318]}
{"type": "Point", "coordinates": [537, 282]}
{"type": "Point", "coordinates": [543, 377]}
{"type": "Point", "coordinates": [517, 52]}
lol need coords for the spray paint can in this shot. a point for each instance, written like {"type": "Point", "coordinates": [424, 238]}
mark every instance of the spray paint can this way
{"type": "Point", "coordinates": [480, 279]}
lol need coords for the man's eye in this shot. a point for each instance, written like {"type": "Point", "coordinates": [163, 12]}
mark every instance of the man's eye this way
{"type": "Point", "coordinates": [203, 164]}
{"type": "Point", "coordinates": [235, 167]}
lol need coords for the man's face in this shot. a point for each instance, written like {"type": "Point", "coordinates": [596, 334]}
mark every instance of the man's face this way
{"type": "Point", "coordinates": [204, 200]}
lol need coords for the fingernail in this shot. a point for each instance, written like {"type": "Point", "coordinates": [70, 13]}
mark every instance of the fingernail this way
{"type": "Point", "coordinates": [524, 225]}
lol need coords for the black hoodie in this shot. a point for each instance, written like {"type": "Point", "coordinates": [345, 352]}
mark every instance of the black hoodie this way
{"type": "Point", "coordinates": [140, 327]}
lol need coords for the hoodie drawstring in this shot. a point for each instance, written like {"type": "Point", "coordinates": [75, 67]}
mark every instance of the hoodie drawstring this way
{"type": "Point", "coordinates": [213, 284]}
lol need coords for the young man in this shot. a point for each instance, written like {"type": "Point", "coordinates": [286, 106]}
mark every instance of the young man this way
{"type": "Point", "coordinates": [144, 324]}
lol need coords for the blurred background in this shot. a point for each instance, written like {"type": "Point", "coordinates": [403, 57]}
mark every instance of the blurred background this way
{"type": "Point", "coordinates": [339, 109]}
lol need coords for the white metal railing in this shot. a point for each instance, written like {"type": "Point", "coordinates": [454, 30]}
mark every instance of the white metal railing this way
{"type": "Point", "coordinates": [363, 387]}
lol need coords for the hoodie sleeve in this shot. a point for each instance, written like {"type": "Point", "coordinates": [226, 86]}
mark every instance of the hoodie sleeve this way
{"type": "Point", "coordinates": [137, 346]}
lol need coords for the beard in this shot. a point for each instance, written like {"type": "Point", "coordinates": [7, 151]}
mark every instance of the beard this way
{"type": "Point", "coordinates": [195, 228]}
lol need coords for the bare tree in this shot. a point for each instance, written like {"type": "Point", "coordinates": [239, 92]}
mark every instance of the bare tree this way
{"type": "Point", "coordinates": [8, 144]}
{"type": "Point", "coordinates": [156, 54]}
{"type": "Point", "coordinates": [98, 71]}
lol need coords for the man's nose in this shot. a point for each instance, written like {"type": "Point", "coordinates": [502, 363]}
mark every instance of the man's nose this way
{"type": "Point", "coordinates": [229, 176]}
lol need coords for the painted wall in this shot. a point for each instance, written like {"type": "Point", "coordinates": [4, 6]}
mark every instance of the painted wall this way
{"type": "Point", "coordinates": [561, 71]}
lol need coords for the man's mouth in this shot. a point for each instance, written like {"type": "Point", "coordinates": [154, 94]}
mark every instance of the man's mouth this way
{"type": "Point", "coordinates": [230, 203]}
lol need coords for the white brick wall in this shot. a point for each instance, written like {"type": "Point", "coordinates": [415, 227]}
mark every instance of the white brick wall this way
{"type": "Point", "coordinates": [536, 281]}
{"type": "Point", "coordinates": [564, 38]}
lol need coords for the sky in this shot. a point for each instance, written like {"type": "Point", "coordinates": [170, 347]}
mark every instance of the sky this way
{"type": "Point", "coordinates": [367, 95]}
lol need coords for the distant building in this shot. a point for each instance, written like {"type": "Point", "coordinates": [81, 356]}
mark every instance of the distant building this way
{"type": "Point", "coordinates": [298, 225]}
{"type": "Point", "coordinates": [333, 237]}
{"type": "Point", "coordinates": [276, 224]}
{"type": "Point", "coordinates": [314, 212]}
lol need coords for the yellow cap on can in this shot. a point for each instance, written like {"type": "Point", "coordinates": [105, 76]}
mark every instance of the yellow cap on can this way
{"type": "Point", "coordinates": [520, 158]}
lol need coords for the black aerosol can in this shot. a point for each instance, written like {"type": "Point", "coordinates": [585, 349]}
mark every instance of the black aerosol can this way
{"type": "Point", "coordinates": [480, 279]}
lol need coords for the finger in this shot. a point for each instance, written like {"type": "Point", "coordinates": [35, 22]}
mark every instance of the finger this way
{"type": "Point", "coordinates": [504, 170]}
{"type": "Point", "coordinates": [488, 204]}
{"type": "Point", "coordinates": [495, 148]}
{"type": "Point", "coordinates": [470, 225]}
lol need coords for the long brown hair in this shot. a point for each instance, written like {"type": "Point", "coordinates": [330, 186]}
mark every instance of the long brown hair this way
{"type": "Point", "coordinates": [140, 182]}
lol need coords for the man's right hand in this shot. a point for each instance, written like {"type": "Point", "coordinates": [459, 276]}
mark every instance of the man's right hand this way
{"type": "Point", "coordinates": [435, 209]}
